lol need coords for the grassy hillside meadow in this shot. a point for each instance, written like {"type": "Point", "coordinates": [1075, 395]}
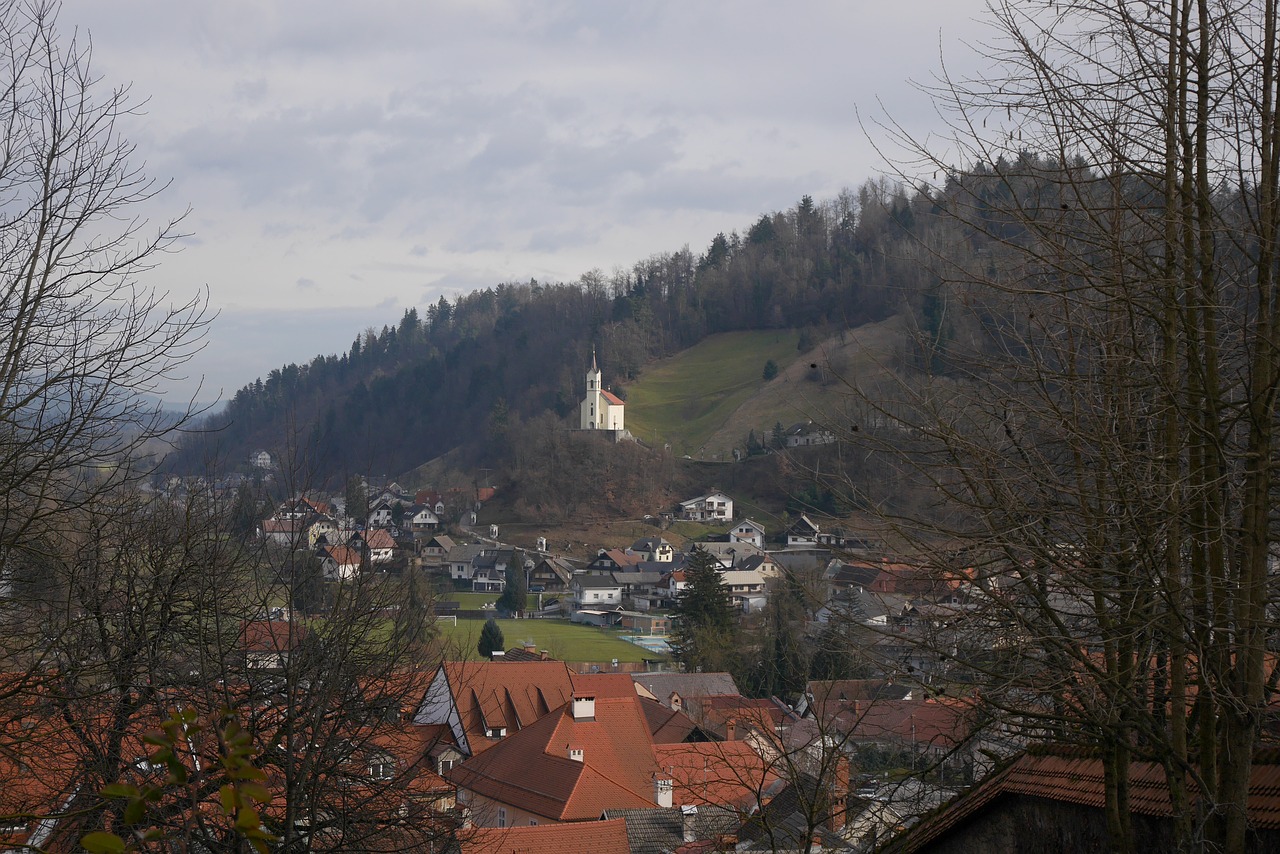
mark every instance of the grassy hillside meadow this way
{"type": "Point", "coordinates": [704, 401]}
{"type": "Point", "coordinates": [864, 356]}
{"type": "Point", "coordinates": [685, 399]}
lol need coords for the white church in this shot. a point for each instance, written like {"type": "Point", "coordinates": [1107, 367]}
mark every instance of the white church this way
{"type": "Point", "coordinates": [601, 410]}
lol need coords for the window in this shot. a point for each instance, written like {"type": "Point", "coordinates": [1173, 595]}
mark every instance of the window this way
{"type": "Point", "coordinates": [382, 769]}
{"type": "Point", "coordinates": [533, 822]}
{"type": "Point", "coordinates": [502, 817]}
{"type": "Point", "coordinates": [446, 764]}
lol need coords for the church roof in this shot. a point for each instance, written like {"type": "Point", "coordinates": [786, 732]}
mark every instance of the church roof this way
{"type": "Point", "coordinates": [613, 399]}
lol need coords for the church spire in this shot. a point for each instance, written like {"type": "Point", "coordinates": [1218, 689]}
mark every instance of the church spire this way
{"type": "Point", "coordinates": [594, 369]}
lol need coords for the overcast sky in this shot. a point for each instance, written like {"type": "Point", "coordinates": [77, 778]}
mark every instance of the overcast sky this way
{"type": "Point", "coordinates": [345, 161]}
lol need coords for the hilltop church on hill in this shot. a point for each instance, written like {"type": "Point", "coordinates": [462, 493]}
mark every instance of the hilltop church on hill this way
{"type": "Point", "coordinates": [601, 409]}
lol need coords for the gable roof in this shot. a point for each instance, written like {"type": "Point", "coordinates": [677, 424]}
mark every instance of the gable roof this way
{"type": "Point", "coordinates": [466, 553]}
{"type": "Point", "coordinates": [620, 557]}
{"type": "Point", "coordinates": [602, 837]}
{"type": "Point", "coordinates": [669, 726]}
{"type": "Point", "coordinates": [613, 399]}
{"type": "Point", "coordinates": [687, 685]}
{"type": "Point", "coordinates": [595, 581]}
{"type": "Point", "coordinates": [1074, 775]}
{"type": "Point", "coordinates": [379, 538]}
{"type": "Point", "coordinates": [343, 555]}
{"type": "Point", "coordinates": [506, 695]}
{"type": "Point", "coordinates": [532, 771]}
{"type": "Point", "coordinates": [803, 525]}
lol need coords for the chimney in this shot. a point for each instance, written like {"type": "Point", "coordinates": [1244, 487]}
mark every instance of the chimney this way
{"type": "Point", "coordinates": [583, 708]}
{"type": "Point", "coordinates": [576, 754]}
{"type": "Point", "coordinates": [662, 791]}
{"type": "Point", "coordinates": [731, 730]}
{"type": "Point", "coordinates": [530, 646]}
{"type": "Point", "coordinates": [839, 794]}
{"type": "Point", "coordinates": [688, 821]}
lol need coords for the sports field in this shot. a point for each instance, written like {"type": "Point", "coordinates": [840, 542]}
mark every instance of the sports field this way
{"type": "Point", "coordinates": [560, 638]}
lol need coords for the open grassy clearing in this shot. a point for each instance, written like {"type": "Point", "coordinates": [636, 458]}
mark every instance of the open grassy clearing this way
{"type": "Point", "coordinates": [560, 638]}
{"type": "Point", "coordinates": [685, 399]}
{"type": "Point", "coordinates": [476, 601]}
{"type": "Point", "coordinates": [800, 393]}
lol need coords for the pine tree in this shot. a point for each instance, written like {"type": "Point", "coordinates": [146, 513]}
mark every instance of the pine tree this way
{"type": "Point", "coordinates": [704, 636]}
{"type": "Point", "coordinates": [514, 595]}
{"type": "Point", "coordinates": [491, 639]}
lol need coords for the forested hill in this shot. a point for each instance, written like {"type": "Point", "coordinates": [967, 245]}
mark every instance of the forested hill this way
{"type": "Point", "coordinates": [440, 378]}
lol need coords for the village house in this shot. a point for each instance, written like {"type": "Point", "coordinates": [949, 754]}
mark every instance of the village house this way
{"type": "Point", "coordinates": [340, 563]}
{"type": "Point", "coordinates": [290, 533]}
{"type": "Point", "coordinates": [381, 546]}
{"type": "Point", "coordinates": [806, 433]}
{"type": "Point", "coordinates": [595, 591]}
{"type": "Point", "coordinates": [713, 507]}
{"type": "Point", "coordinates": [746, 589]}
{"type": "Point", "coordinates": [611, 560]}
{"type": "Point", "coordinates": [802, 533]}
{"type": "Point", "coordinates": [652, 549]}
{"type": "Point", "coordinates": [748, 532]}
{"type": "Point", "coordinates": [435, 551]}
{"type": "Point", "coordinates": [550, 574]}
{"type": "Point", "coordinates": [422, 520]}
{"type": "Point", "coordinates": [268, 644]}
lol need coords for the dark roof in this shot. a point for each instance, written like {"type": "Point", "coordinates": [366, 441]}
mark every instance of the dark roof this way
{"type": "Point", "coordinates": [687, 685]}
{"type": "Point", "coordinates": [786, 821]}
{"type": "Point", "coordinates": [661, 829]}
{"type": "Point", "coordinates": [668, 726]}
{"type": "Point", "coordinates": [1075, 775]}
{"type": "Point", "coordinates": [590, 581]}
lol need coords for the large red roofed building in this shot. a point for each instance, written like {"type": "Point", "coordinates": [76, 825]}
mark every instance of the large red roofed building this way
{"type": "Point", "coordinates": [484, 702]}
{"type": "Point", "coordinates": [590, 755]}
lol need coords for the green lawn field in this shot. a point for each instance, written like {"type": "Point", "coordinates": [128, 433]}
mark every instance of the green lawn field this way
{"type": "Point", "coordinates": [560, 638]}
{"type": "Point", "coordinates": [685, 399]}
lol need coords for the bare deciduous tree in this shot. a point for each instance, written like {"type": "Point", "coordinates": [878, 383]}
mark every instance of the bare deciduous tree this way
{"type": "Point", "coordinates": [1094, 407]}
{"type": "Point", "coordinates": [83, 344]}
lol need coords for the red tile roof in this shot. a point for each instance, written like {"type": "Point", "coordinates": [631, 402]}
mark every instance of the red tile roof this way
{"type": "Point", "coordinates": [613, 399]}
{"type": "Point", "coordinates": [344, 555]}
{"type": "Point", "coordinates": [602, 685]}
{"type": "Point", "coordinates": [379, 538]}
{"type": "Point", "coordinates": [599, 837]}
{"type": "Point", "coordinates": [532, 770]}
{"type": "Point", "coordinates": [723, 773]}
{"type": "Point", "coordinates": [504, 695]}
{"type": "Point", "coordinates": [271, 635]}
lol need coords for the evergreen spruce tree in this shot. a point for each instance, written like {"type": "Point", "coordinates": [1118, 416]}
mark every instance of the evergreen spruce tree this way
{"type": "Point", "coordinates": [514, 595]}
{"type": "Point", "coordinates": [491, 639]}
{"type": "Point", "coordinates": [704, 636]}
